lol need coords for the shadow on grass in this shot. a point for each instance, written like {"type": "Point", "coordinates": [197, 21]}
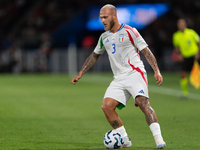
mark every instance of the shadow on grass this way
{"type": "Point", "coordinates": [132, 148]}
{"type": "Point", "coordinates": [80, 146]}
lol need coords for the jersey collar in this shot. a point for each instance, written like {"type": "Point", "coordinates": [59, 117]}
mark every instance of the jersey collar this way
{"type": "Point", "coordinates": [121, 27]}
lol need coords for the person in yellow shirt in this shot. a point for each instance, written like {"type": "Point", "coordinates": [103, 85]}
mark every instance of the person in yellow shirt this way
{"type": "Point", "coordinates": [186, 44]}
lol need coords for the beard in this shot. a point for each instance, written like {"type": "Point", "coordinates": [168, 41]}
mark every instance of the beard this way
{"type": "Point", "coordinates": [112, 23]}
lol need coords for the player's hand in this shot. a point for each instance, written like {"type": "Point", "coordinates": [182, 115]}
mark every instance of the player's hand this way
{"type": "Point", "coordinates": [158, 78]}
{"type": "Point", "coordinates": [76, 78]}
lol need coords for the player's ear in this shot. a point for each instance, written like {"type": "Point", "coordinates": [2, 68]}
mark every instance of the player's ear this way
{"type": "Point", "coordinates": [114, 16]}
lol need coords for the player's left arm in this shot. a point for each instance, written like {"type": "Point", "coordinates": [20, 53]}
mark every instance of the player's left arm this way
{"type": "Point", "coordinates": [152, 61]}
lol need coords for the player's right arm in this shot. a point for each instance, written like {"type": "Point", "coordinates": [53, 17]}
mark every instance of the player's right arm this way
{"type": "Point", "coordinates": [90, 61]}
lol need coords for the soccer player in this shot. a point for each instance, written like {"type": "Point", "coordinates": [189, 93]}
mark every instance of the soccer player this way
{"type": "Point", "coordinates": [123, 44]}
{"type": "Point", "coordinates": [187, 44]}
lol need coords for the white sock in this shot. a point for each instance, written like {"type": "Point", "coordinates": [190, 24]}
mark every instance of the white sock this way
{"type": "Point", "coordinates": [122, 131]}
{"type": "Point", "coordinates": [155, 129]}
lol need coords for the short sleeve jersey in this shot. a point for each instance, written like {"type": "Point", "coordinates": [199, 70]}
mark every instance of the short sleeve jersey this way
{"type": "Point", "coordinates": [187, 42]}
{"type": "Point", "coordinates": [123, 49]}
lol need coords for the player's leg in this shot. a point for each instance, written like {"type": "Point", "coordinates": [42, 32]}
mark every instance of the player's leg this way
{"type": "Point", "coordinates": [116, 96]}
{"type": "Point", "coordinates": [144, 105]}
{"type": "Point", "coordinates": [186, 67]}
{"type": "Point", "coordinates": [151, 119]}
{"type": "Point", "coordinates": [184, 84]}
{"type": "Point", "coordinates": [108, 106]}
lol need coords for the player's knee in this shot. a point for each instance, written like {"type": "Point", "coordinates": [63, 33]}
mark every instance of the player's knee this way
{"type": "Point", "coordinates": [108, 104]}
{"type": "Point", "coordinates": [105, 106]}
{"type": "Point", "coordinates": [142, 101]}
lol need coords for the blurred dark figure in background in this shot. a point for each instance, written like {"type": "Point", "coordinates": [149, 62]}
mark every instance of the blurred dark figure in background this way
{"type": "Point", "coordinates": [44, 53]}
{"type": "Point", "coordinates": [88, 42]}
{"type": "Point", "coordinates": [187, 44]}
{"type": "Point", "coordinates": [11, 60]}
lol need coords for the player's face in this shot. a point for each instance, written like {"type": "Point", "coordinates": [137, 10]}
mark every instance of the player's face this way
{"type": "Point", "coordinates": [181, 24]}
{"type": "Point", "coordinates": [107, 19]}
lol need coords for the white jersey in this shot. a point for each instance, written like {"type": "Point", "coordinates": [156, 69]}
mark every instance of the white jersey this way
{"type": "Point", "coordinates": [123, 49]}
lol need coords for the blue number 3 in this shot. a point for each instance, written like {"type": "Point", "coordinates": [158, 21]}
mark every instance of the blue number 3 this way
{"type": "Point", "coordinates": [113, 45]}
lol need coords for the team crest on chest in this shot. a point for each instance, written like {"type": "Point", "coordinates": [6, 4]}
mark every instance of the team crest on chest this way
{"type": "Point", "coordinates": [121, 38]}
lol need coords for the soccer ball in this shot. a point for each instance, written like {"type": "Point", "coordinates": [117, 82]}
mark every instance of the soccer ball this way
{"type": "Point", "coordinates": [113, 140]}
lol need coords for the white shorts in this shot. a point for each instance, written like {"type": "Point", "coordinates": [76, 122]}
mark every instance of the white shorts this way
{"type": "Point", "coordinates": [134, 84]}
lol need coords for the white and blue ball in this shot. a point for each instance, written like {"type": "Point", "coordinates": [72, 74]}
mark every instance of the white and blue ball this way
{"type": "Point", "coordinates": [113, 140]}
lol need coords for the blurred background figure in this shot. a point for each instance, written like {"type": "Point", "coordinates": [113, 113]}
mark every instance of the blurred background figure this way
{"type": "Point", "coordinates": [89, 42]}
{"type": "Point", "coordinates": [187, 46]}
{"type": "Point", "coordinates": [11, 60]}
{"type": "Point", "coordinates": [44, 53]}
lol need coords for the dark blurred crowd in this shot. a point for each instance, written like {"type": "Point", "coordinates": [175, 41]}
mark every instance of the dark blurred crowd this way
{"type": "Point", "coordinates": [25, 21]}
{"type": "Point", "coordinates": [28, 24]}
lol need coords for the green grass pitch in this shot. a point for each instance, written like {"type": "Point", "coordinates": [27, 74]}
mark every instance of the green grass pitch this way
{"type": "Point", "coordinates": [45, 111]}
